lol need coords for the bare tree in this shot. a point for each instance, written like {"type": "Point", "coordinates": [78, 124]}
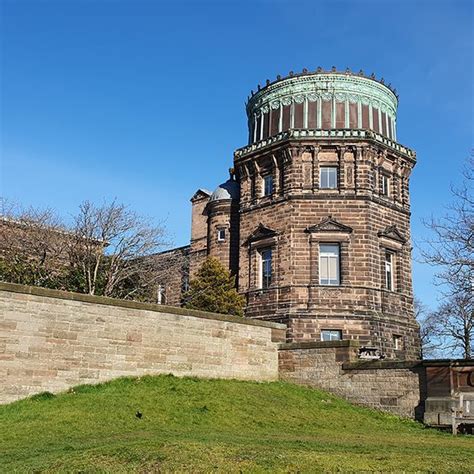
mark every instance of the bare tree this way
{"type": "Point", "coordinates": [112, 249]}
{"type": "Point", "coordinates": [33, 245]}
{"type": "Point", "coordinates": [451, 250]}
{"type": "Point", "coordinates": [453, 325]}
{"type": "Point", "coordinates": [428, 335]}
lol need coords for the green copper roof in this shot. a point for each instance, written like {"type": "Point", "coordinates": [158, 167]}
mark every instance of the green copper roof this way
{"type": "Point", "coordinates": [325, 85]}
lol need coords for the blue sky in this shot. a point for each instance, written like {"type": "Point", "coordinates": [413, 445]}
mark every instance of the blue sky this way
{"type": "Point", "coordinates": [144, 100]}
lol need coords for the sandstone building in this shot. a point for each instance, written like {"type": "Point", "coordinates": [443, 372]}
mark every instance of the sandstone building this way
{"type": "Point", "coordinates": [314, 221]}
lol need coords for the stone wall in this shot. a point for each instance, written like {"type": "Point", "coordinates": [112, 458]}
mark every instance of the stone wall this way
{"type": "Point", "coordinates": [393, 386]}
{"type": "Point", "coordinates": [51, 340]}
{"type": "Point", "coordinates": [172, 276]}
{"type": "Point", "coordinates": [359, 216]}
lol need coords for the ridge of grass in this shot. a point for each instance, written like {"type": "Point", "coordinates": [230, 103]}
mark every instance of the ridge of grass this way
{"type": "Point", "coordinates": [201, 425]}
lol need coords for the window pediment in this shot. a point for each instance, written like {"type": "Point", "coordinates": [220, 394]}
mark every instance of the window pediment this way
{"type": "Point", "coordinates": [391, 232]}
{"type": "Point", "coordinates": [259, 234]}
{"type": "Point", "coordinates": [329, 225]}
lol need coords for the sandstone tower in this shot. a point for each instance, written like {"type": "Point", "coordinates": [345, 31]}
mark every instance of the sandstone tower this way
{"type": "Point", "coordinates": [315, 220]}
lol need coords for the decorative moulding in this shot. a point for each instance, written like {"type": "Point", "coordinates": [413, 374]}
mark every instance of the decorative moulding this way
{"type": "Point", "coordinates": [392, 233]}
{"type": "Point", "coordinates": [261, 234]}
{"type": "Point", "coordinates": [329, 225]}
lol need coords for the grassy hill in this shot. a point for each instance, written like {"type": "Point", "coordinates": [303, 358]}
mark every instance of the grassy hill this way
{"type": "Point", "coordinates": [215, 425]}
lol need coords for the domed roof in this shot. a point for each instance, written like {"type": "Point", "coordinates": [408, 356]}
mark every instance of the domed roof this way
{"type": "Point", "coordinates": [228, 190]}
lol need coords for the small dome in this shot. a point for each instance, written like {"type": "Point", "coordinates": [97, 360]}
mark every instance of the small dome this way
{"type": "Point", "coordinates": [228, 190]}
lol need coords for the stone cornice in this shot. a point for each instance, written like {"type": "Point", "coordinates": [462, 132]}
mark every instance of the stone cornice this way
{"type": "Point", "coordinates": [247, 207]}
{"type": "Point", "coordinates": [321, 135]}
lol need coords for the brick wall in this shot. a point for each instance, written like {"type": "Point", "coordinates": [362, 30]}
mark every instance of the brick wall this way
{"type": "Point", "coordinates": [51, 340]}
{"type": "Point", "coordinates": [393, 386]}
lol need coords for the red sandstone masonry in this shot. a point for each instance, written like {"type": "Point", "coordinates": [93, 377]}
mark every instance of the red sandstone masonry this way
{"type": "Point", "coordinates": [360, 306]}
{"type": "Point", "coordinates": [51, 340]}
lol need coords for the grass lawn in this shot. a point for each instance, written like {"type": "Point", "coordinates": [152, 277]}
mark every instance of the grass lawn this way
{"type": "Point", "coordinates": [196, 425]}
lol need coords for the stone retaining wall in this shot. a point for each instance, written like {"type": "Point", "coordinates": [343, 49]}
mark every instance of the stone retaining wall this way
{"type": "Point", "coordinates": [51, 340]}
{"type": "Point", "coordinates": [393, 386]}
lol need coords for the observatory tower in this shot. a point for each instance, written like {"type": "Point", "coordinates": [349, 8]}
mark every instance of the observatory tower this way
{"type": "Point", "coordinates": [324, 211]}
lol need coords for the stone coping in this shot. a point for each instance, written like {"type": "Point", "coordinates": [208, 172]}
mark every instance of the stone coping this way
{"type": "Point", "coordinates": [318, 345]}
{"type": "Point", "coordinates": [406, 364]}
{"type": "Point", "coordinates": [381, 364]}
{"type": "Point", "coordinates": [70, 296]}
{"type": "Point", "coordinates": [448, 363]}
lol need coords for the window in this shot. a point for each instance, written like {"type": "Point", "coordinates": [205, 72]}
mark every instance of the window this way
{"type": "Point", "coordinates": [161, 295]}
{"type": "Point", "coordinates": [185, 283]}
{"type": "Point", "coordinates": [331, 335]}
{"type": "Point", "coordinates": [328, 177]}
{"type": "Point", "coordinates": [268, 185]}
{"type": "Point", "coordinates": [253, 187]}
{"type": "Point", "coordinates": [385, 187]}
{"type": "Point", "coordinates": [221, 235]}
{"type": "Point", "coordinates": [389, 271]}
{"type": "Point", "coordinates": [329, 264]}
{"type": "Point", "coordinates": [266, 268]}
{"type": "Point", "coordinates": [398, 343]}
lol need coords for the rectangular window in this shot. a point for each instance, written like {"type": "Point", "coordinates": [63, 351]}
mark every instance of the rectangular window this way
{"type": "Point", "coordinates": [329, 264]}
{"type": "Point", "coordinates": [340, 115]}
{"type": "Point", "coordinates": [389, 271]}
{"type": "Point", "coordinates": [221, 235]}
{"type": "Point", "coordinates": [286, 118]}
{"type": "Point", "coordinates": [328, 177]}
{"type": "Point", "coordinates": [385, 185]}
{"type": "Point", "coordinates": [266, 125]}
{"type": "Point", "coordinates": [326, 112]}
{"type": "Point", "coordinates": [353, 116]}
{"type": "Point", "coordinates": [375, 119]}
{"type": "Point", "coordinates": [398, 343]}
{"type": "Point", "coordinates": [331, 335]}
{"type": "Point", "coordinates": [275, 121]}
{"type": "Point", "coordinates": [312, 113]}
{"type": "Point", "coordinates": [266, 268]}
{"type": "Point", "coordinates": [268, 185]}
{"type": "Point", "coordinates": [253, 187]}
{"type": "Point", "coordinates": [365, 116]}
{"type": "Point", "coordinates": [259, 127]}
{"type": "Point", "coordinates": [298, 113]}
